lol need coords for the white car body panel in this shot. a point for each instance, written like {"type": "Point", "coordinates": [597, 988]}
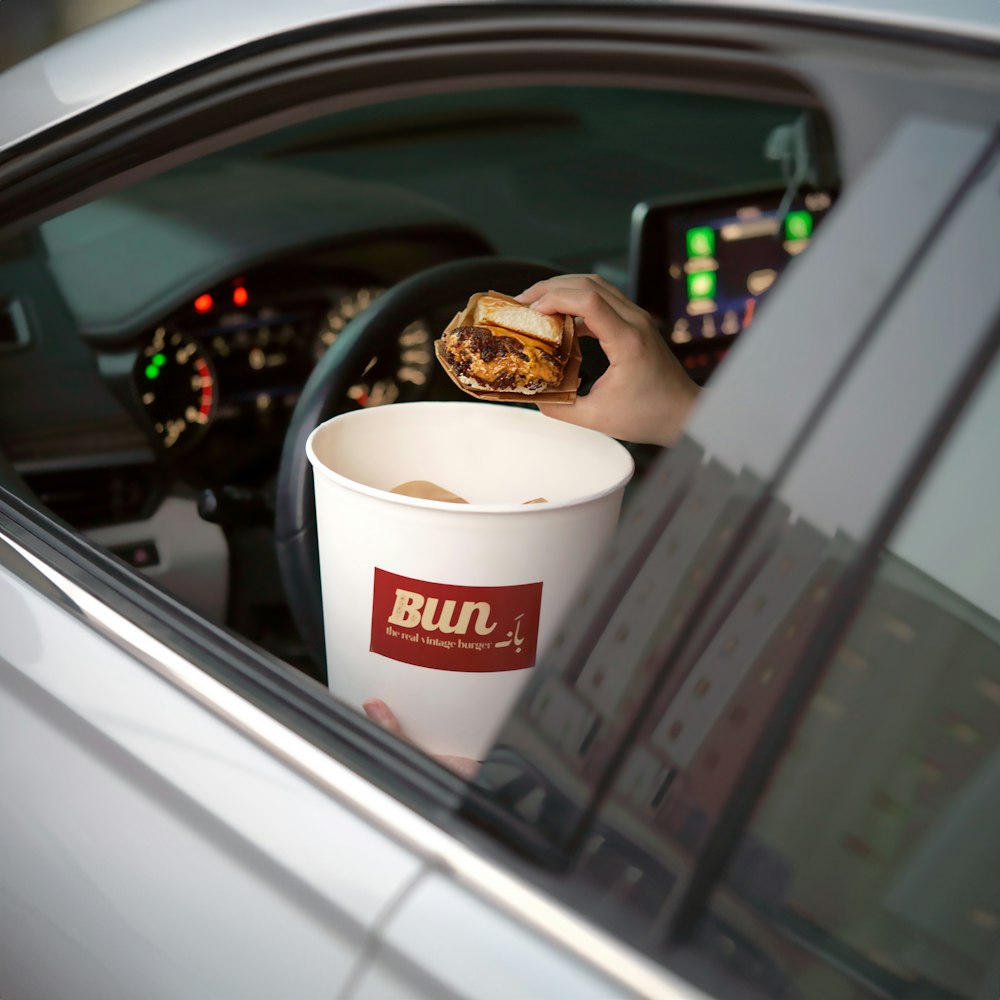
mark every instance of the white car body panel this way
{"type": "Point", "coordinates": [147, 43]}
{"type": "Point", "coordinates": [296, 879]}
{"type": "Point", "coordinates": [972, 18]}
{"type": "Point", "coordinates": [295, 863]}
{"type": "Point", "coordinates": [501, 960]}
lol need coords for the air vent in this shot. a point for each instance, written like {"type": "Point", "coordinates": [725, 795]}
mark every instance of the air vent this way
{"type": "Point", "coordinates": [14, 330]}
{"type": "Point", "coordinates": [91, 498]}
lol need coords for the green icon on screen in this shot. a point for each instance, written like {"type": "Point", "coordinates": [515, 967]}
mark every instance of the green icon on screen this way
{"type": "Point", "coordinates": [701, 285]}
{"type": "Point", "coordinates": [701, 242]}
{"type": "Point", "coordinates": [798, 225]}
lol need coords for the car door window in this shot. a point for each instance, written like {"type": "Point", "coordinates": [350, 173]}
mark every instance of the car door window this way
{"type": "Point", "coordinates": [651, 613]}
{"type": "Point", "coordinates": [874, 847]}
{"type": "Point", "coordinates": [651, 741]}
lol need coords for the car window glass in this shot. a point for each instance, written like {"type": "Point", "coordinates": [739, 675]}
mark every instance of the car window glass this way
{"type": "Point", "coordinates": [708, 573]}
{"type": "Point", "coordinates": [606, 661]}
{"type": "Point", "coordinates": [870, 867]}
{"type": "Point", "coordinates": [700, 733]}
{"type": "Point", "coordinates": [874, 848]}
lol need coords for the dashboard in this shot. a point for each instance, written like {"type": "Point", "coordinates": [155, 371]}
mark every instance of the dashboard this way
{"type": "Point", "coordinates": [218, 377]}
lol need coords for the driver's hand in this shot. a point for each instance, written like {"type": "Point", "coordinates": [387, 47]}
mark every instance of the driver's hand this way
{"type": "Point", "coordinates": [378, 711]}
{"type": "Point", "coordinates": [645, 396]}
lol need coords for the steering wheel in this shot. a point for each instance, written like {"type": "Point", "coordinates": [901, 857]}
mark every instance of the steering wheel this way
{"type": "Point", "coordinates": [325, 395]}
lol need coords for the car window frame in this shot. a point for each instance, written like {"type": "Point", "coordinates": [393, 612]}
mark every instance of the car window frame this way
{"type": "Point", "coordinates": [352, 60]}
{"type": "Point", "coordinates": [112, 146]}
{"type": "Point", "coordinates": [287, 695]}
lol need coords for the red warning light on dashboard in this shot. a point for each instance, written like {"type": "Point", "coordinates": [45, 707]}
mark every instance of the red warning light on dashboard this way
{"type": "Point", "coordinates": [240, 296]}
{"type": "Point", "coordinates": [203, 303]}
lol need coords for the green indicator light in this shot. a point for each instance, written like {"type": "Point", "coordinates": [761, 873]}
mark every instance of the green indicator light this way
{"type": "Point", "coordinates": [159, 360]}
{"type": "Point", "coordinates": [700, 242]}
{"type": "Point", "coordinates": [152, 371]}
{"type": "Point", "coordinates": [798, 225]}
{"type": "Point", "coordinates": [701, 285]}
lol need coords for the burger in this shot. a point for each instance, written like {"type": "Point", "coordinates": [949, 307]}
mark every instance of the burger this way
{"type": "Point", "coordinates": [498, 345]}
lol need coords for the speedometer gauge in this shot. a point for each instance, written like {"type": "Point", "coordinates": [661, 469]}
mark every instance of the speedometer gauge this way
{"type": "Point", "coordinates": [394, 374]}
{"type": "Point", "coordinates": [177, 387]}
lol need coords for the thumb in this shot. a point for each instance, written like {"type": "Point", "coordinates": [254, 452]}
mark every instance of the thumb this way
{"type": "Point", "coordinates": [578, 412]}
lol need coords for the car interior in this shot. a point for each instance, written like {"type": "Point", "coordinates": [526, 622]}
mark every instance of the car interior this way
{"type": "Point", "coordinates": [156, 340]}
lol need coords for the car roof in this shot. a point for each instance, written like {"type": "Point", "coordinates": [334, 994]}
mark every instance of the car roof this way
{"type": "Point", "coordinates": [158, 37]}
{"type": "Point", "coordinates": [145, 43]}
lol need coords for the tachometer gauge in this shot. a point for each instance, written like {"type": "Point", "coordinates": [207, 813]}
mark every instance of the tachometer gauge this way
{"type": "Point", "coordinates": [177, 387]}
{"type": "Point", "coordinates": [396, 373]}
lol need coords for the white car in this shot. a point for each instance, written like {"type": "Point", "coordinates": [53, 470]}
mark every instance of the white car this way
{"type": "Point", "coordinates": [762, 759]}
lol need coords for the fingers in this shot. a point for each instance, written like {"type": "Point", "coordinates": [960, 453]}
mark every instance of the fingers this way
{"type": "Point", "coordinates": [644, 395]}
{"type": "Point", "coordinates": [621, 327]}
{"type": "Point", "coordinates": [577, 281]}
{"type": "Point", "coordinates": [379, 712]}
{"type": "Point", "coordinates": [464, 767]}
{"type": "Point", "coordinates": [582, 412]}
{"type": "Point", "coordinates": [587, 298]}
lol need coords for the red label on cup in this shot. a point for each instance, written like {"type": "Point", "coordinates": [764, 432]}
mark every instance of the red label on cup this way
{"type": "Point", "coordinates": [446, 627]}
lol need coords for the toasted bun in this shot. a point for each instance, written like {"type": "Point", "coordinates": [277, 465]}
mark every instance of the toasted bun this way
{"type": "Point", "coordinates": [508, 314]}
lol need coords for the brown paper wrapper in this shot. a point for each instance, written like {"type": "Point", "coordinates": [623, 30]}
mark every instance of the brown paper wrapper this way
{"type": "Point", "coordinates": [565, 392]}
{"type": "Point", "coordinates": [423, 489]}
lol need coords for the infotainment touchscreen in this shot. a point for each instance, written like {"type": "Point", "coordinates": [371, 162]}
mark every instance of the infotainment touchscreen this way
{"type": "Point", "coordinates": [703, 268]}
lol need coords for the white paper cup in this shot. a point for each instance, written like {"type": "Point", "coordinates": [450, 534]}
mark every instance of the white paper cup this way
{"type": "Point", "coordinates": [441, 609]}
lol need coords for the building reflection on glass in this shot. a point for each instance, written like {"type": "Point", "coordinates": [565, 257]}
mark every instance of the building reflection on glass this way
{"type": "Point", "coordinates": [869, 855]}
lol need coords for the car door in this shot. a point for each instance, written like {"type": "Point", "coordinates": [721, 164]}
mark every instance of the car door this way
{"type": "Point", "coordinates": [155, 842]}
{"type": "Point", "coordinates": [183, 818]}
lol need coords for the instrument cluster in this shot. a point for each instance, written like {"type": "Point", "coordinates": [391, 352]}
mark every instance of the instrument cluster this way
{"type": "Point", "coordinates": [234, 359]}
